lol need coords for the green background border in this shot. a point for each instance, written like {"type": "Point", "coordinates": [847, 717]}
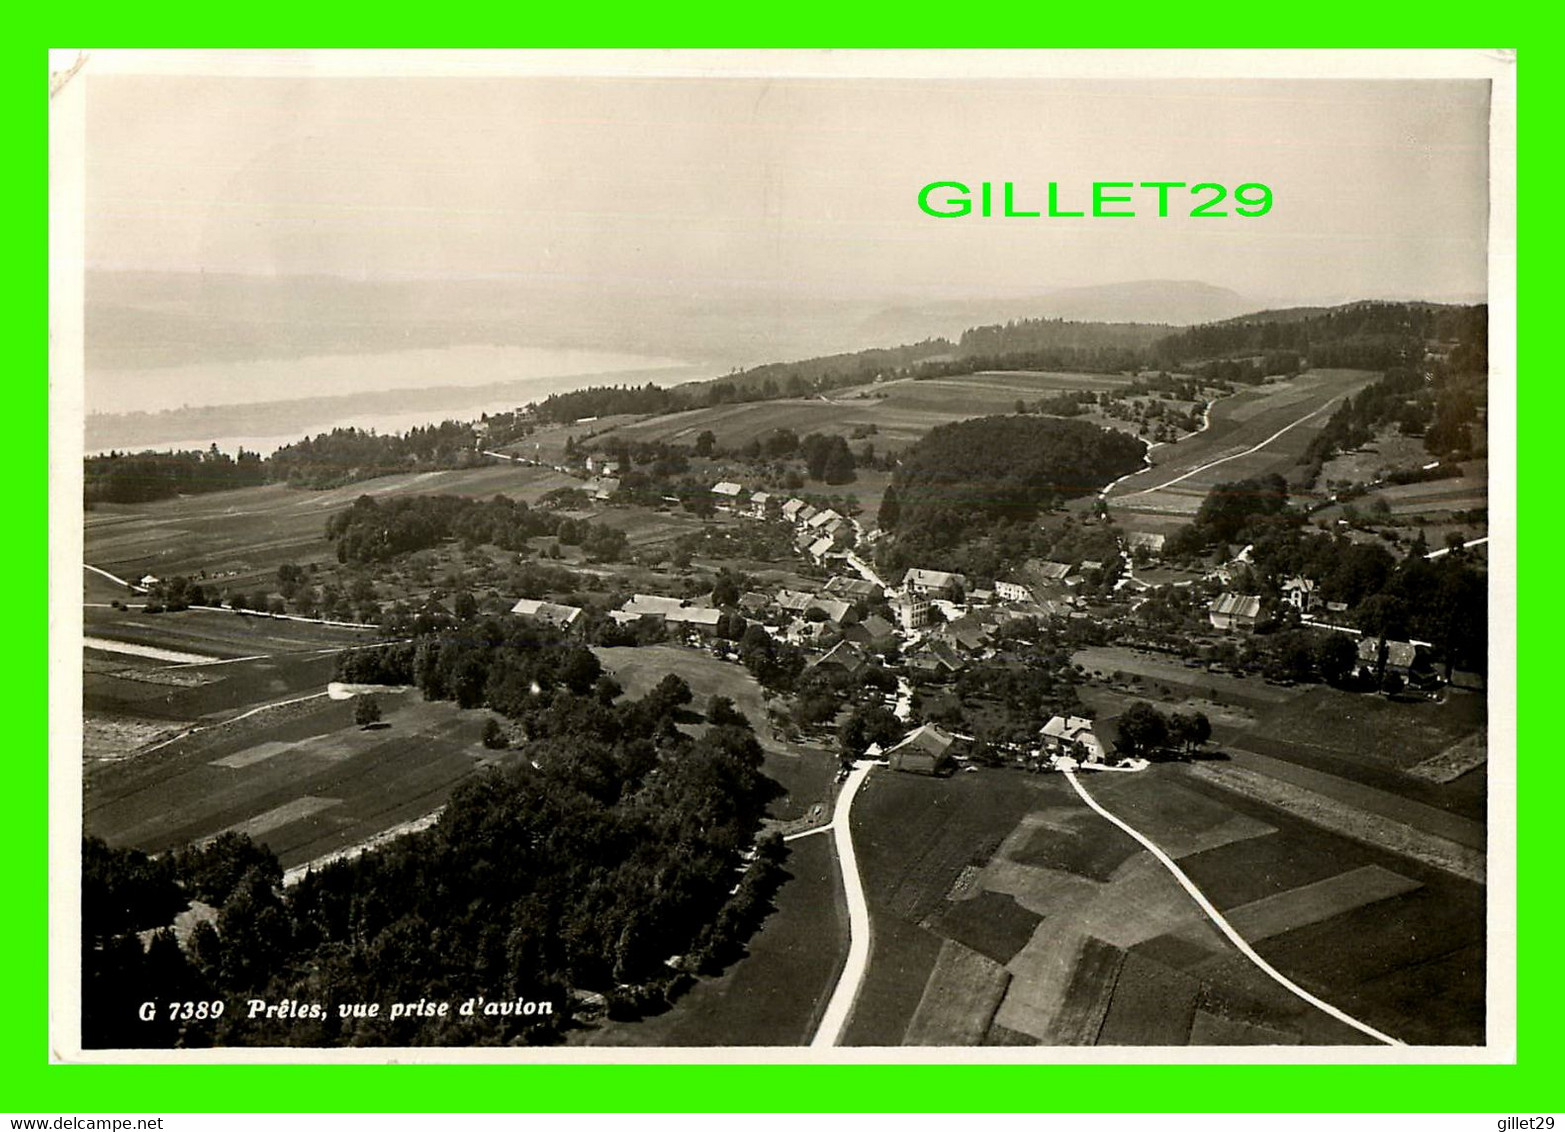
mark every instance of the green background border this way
{"type": "Point", "coordinates": [29, 1083]}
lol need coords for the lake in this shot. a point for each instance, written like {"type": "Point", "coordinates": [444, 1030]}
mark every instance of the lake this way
{"type": "Point", "coordinates": [267, 403]}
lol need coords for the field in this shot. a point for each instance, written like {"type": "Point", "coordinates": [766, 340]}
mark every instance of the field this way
{"type": "Point", "coordinates": [1067, 932]}
{"type": "Point", "coordinates": [1368, 740]}
{"type": "Point", "coordinates": [240, 537]}
{"type": "Point", "coordinates": [302, 780]}
{"type": "Point", "coordinates": [148, 677]}
{"type": "Point", "coordinates": [901, 411]}
{"type": "Point", "coordinates": [914, 838]}
{"type": "Point", "coordinates": [216, 635]}
{"type": "Point", "coordinates": [1243, 440]}
{"type": "Point", "coordinates": [1431, 498]}
{"type": "Point", "coordinates": [776, 993]}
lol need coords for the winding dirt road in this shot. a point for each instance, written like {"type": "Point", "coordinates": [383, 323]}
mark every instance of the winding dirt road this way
{"type": "Point", "coordinates": [1225, 927]}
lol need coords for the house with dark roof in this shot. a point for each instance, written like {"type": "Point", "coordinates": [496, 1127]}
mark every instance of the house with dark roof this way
{"type": "Point", "coordinates": [936, 657]}
{"type": "Point", "coordinates": [1044, 571]}
{"type": "Point", "coordinates": [853, 589]}
{"type": "Point", "coordinates": [874, 633]}
{"type": "Point", "coordinates": [843, 656]}
{"type": "Point", "coordinates": [1299, 593]}
{"type": "Point", "coordinates": [967, 633]}
{"type": "Point", "coordinates": [836, 611]}
{"type": "Point", "coordinates": [1401, 657]}
{"type": "Point", "coordinates": [794, 601]}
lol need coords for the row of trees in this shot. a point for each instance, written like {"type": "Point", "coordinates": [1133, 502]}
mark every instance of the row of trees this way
{"type": "Point", "coordinates": [373, 530]}
{"type": "Point", "coordinates": [1146, 731]}
{"type": "Point", "coordinates": [344, 455]}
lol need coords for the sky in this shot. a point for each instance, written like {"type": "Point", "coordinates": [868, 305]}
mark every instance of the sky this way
{"type": "Point", "coordinates": [802, 187]}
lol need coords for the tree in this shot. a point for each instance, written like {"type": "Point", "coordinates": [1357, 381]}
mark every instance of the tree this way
{"type": "Point", "coordinates": [1189, 729]}
{"type": "Point", "coordinates": [1335, 656]}
{"type": "Point", "coordinates": [706, 443]}
{"type": "Point", "coordinates": [839, 463]}
{"type": "Point", "coordinates": [721, 712]}
{"type": "Point", "coordinates": [866, 725]}
{"type": "Point", "coordinates": [494, 735]}
{"type": "Point", "coordinates": [1142, 729]}
{"type": "Point", "coordinates": [366, 711]}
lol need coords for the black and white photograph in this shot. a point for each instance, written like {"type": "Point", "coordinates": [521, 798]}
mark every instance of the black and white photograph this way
{"type": "Point", "coordinates": [929, 556]}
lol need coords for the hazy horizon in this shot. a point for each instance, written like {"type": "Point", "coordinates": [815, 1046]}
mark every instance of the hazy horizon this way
{"type": "Point", "coordinates": [723, 222]}
{"type": "Point", "coordinates": [804, 187]}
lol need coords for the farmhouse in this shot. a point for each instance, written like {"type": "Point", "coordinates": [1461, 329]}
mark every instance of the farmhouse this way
{"type": "Point", "coordinates": [936, 657]}
{"type": "Point", "coordinates": [934, 583]}
{"type": "Point", "coordinates": [547, 612]}
{"type": "Point", "coordinates": [820, 548]}
{"type": "Point", "coordinates": [650, 605]}
{"type": "Point", "coordinates": [821, 519]}
{"type": "Point", "coordinates": [1232, 611]}
{"type": "Point", "coordinates": [842, 656]}
{"type": "Point", "coordinates": [791, 509]}
{"type": "Point", "coordinates": [1145, 540]}
{"type": "Point", "coordinates": [602, 487]}
{"type": "Point", "coordinates": [874, 632]}
{"type": "Point", "coordinates": [1401, 657]}
{"type": "Point", "coordinates": [966, 633]}
{"type": "Point", "coordinates": [727, 493]}
{"type": "Point", "coordinates": [853, 589]}
{"type": "Point", "coordinates": [836, 611]}
{"type": "Point", "coordinates": [1048, 571]}
{"type": "Point", "coordinates": [794, 601]}
{"type": "Point", "coordinates": [926, 750]}
{"type": "Point", "coordinates": [1073, 737]}
{"type": "Point", "coordinates": [694, 617]}
{"type": "Point", "coordinates": [759, 502]}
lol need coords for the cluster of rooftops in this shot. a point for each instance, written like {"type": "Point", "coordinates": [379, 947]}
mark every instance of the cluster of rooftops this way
{"type": "Point", "coordinates": [1064, 741]}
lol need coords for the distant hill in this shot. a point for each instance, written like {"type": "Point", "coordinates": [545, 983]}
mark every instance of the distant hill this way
{"type": "Point", "coordinates": [1158, 301]}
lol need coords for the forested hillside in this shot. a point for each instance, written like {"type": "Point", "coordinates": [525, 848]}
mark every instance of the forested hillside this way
{"type": "Point", "coordinates": [608, 846]}
{"type": "Point", "coordinates": [972, 488]}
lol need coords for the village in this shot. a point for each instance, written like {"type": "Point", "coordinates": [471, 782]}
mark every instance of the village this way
{"type": "Point", "coordinates": [929, 626]}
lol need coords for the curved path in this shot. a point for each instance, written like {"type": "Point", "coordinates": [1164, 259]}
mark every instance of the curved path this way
{"type": "Point", "coordinates": [1226, 928]}
{"type": "Point", "coordinates": [840, 1005]}
{"type": "Point", "coordinates": [1248, 451]}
